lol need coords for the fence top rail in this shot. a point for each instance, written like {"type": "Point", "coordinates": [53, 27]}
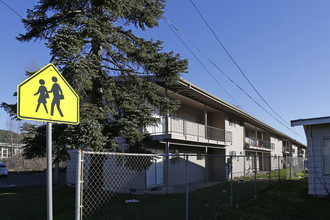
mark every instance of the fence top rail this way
{"type": "Point", "coordinates": [184, 154]}
{"type": "Point", "coordinates": [120, 154]}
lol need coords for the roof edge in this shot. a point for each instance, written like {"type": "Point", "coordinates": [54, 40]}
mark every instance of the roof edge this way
{"type": "Point", "coordinates": [310, 121]}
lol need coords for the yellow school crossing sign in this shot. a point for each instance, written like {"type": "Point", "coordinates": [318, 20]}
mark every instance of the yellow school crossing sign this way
{"type": "Point", "coordinates": [47, 96]}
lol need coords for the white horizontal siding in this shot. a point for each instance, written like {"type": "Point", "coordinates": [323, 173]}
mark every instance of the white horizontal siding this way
{"type": "Point", "coordinates": [318, 182]}
{"type": "Point", "coordinates": [237, 146]}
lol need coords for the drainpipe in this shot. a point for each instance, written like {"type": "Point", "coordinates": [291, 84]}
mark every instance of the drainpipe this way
{"type": "Point", "coordinates": [205, 120]}
{"type": "Point", "coordinates": [167, 165]}
{"type": "Point", "coordinates": [206, 165]}
{"type": "Point", "coordinates": [312, 156]}
{"type": "Point", "coordinates": [166, 117]}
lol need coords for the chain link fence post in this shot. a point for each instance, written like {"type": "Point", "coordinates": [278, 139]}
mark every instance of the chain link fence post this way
{"type": "Point", "coordinates": [231, 182]}
{"type": "Point", "coordinates": [255, 176]}
{"type": "Point", "coordinates": [279, 168]}
{"type": "Point", "coordinates": [187, 188]}
{"type": "Point", "coordinates": [270, 168]}
{"type": "Point", "coordinates": [78, 186]}
{"type": "Point", "coordinates": [290, 165]}
{"type": "Point", "coordinates": [286, 167]}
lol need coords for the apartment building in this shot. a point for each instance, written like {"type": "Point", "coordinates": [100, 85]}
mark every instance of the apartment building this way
{"type": "Point", "coordinates": [205, 124]}
{"type": "Point", "coordinates": [212, 132]}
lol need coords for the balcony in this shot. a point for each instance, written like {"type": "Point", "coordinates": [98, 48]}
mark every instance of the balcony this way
{"type": "Point", "coordinates": [286, 149]}
{"type": "Point", "coordinates": [258, 144]}
{"type": "Point", "coordinates": [301, 152]}
{"type": "Point", "coordinates": [191, 131]}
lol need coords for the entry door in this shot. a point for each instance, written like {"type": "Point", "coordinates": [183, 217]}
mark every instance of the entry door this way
{"type": "Point", "coordinates": [155, 173]}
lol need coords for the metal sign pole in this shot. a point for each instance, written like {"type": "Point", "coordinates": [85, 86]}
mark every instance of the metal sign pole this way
{"type": "Point", "coordinates": [49, 171]}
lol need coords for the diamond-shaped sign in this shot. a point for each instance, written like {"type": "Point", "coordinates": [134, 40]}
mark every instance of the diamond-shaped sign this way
{"type": "Point", "coordinates": [47, 96]}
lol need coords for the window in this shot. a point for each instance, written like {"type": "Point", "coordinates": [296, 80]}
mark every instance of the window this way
{"type": "Point", "coordinates": [4, 152]}
{"type": "Point", "coordinates": [18, 151]}
{"type": "Point", "coordinates": [326, 156]}
{"type": "Point", "coordinates": [231, 123]}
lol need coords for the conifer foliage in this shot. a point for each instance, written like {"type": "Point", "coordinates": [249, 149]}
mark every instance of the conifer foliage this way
{"type": "Point", "coordinates": [93, 45]}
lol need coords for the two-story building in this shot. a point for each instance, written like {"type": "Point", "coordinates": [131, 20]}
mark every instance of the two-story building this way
{"type": "Point", "coordinates": [217, 136]}
{"type": "Point", "coordinates": [205, 124]}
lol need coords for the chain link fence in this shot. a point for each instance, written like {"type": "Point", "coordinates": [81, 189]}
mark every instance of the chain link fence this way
{"type": "Point", "coordinates": [18, 163]}
{"type": "Point", "coordinates": [173, 186]}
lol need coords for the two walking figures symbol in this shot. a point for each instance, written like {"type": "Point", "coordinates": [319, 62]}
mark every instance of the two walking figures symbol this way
{"type": "Point", "coordinates": [57, 96]}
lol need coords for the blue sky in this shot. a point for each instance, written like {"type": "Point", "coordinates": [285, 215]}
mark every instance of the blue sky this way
{"type": "Point", "coordinates": [282, 46]}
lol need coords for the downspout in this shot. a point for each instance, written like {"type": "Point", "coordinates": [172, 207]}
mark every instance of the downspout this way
{"type": "Point", "coordinates": [167, 115]}
{"type": "Point", "coordinates": [167, 150]}
{"type": "Point", "coordinates": [312, 156]}
{"type": "Point", "coordinates": [205, 121]}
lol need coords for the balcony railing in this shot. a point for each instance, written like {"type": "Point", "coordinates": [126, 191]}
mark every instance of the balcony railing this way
{"type": "Point", "coordinates": [189, 128]}
{"type": "Point", "coordinates": [258, 143]}
{"type": "Point", "coordinates": [286, 149]}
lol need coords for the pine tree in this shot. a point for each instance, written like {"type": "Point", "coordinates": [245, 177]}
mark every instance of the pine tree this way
{"type": "Point", "coordinates": [110, 68]}
{"type": "Point", "coordinates": [93, 45]}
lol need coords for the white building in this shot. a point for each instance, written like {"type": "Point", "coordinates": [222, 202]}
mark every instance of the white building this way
{"type": "Point", "coordinates": [205, 124]}
{"type": "Point", "coordinates": [212, 129]}
{"type": "Point", "coordinates": [8, 150]}
{"type": "Point", "coordinates": [317, 131]}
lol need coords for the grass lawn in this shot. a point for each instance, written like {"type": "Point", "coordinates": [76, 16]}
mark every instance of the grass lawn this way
{"type": "Point", "coordinates": [287, 200]}
{"type": "Point", "coordinates": [30, 203]}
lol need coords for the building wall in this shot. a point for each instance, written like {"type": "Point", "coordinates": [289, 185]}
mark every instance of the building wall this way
{"type": "Point", "coordinates": [195, 165]}
{"type": "Point", "coordinates": [237, 146]}
{"type": "Point", "coordinates": [71, 166]}
{"type": "Point", "coordinates": [317, 181]}
{"type": "Point", "coordinates": [189, 113]}
{"type": "Point", "coordinates": [276, 152]}
{"type": "Point", "coordinates": [117, 177]}
{"type": "Point", "coordinates": [294, 150]}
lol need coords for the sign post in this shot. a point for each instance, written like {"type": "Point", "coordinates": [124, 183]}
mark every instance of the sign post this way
{"type": "Point", "coordinates": [49, 171]}
{"type": "Point", "coordinates": [47, 96]}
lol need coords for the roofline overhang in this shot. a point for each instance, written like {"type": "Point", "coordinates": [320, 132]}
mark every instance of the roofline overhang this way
{"type": "Point", "coordinates": [311, 121]}
{"type": "Point", "coordinates": [219, 104]}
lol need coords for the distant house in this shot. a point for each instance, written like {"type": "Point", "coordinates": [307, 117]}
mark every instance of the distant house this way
{"type": "Point", "coordinates": [317, 131]}
{"type": "Point", "coordinates": [8, 150]}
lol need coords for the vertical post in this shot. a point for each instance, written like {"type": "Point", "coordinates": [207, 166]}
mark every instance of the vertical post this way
{"type": "Point", "coordinates": [205, 121]}
{"type": "Point", "coordinates": [244, 158]}
{"type": "Point", "coordinates": [279, 168]}
{"type": "Point", "coordinates": [231, 181]}
{"type": "Point", "coordinates": [286, 166]}
{"type": "Point", "coordinates": [187, 189]}
{"type": "Point", "coordinates": [166, 117]}
{"type": "Point", "coordinates": [255, 176]}
{"type": "Point", "coordinates": [167, 164]}
{"type": "Point", "coordinates": [78, 185]}
{"type": "Point", "coordinates": [270, 167]}
{"type": "Point", "coordinates": [304, 169]}
{"type": "Point", "coordinates": [206, 166]}
{"type": "Point", "coordinates": [290, 163]}
{"type": "Point", "coordinates": [49, 171]}
{"type": "Point", "coordinates": [155, 165]}
{"type": "Point", "coordinates": [262, 162]}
